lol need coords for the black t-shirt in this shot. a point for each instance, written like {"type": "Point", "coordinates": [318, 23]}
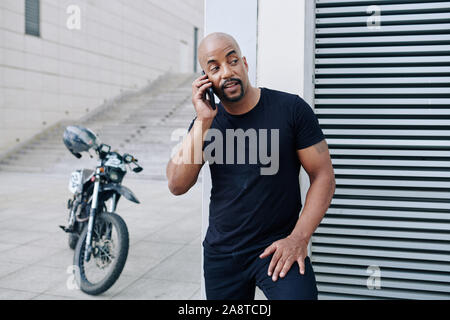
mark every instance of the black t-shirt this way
{"type": "Point", "coordinates": [246, 206]}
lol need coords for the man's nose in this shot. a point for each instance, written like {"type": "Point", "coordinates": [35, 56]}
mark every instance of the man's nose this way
{"type": "Point", "coordinates": [227, 72]}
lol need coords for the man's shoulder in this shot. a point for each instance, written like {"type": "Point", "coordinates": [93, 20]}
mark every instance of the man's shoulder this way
{"type": "Point", "coordinates": [278, 93]}
{"type": "Point", "coordinates": [284, 98]}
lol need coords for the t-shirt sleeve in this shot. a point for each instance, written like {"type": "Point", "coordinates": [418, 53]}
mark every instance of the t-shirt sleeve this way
{"type": "Point", "coordinates": [205, 143]}
{"type": "Point", "coordinates": [306, 125]}
{"type": "Point", "coordinates": [192, 124]}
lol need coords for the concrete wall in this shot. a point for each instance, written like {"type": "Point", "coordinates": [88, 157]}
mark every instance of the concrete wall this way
{"type": "Point", "coordinates": [65, 73]}
{"type": "Point", "coordinates": [281, 44]}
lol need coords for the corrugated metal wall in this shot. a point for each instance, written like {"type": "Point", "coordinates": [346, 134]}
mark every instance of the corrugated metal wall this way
{"type": "Point", "coordinates": [382, 96]}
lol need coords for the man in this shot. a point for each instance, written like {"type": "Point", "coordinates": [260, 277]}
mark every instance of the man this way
{"type": "Point", "coordinates": [255, 235]}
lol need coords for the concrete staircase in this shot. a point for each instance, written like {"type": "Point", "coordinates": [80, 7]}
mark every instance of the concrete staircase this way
{"type": "Point", "coordinates": [139, 123]}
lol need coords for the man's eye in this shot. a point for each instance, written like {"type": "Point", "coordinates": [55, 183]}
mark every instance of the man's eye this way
{"type": "Point", "coordinates": [234, 61]}
{"type": "Point", "coordinates": [213, 69]}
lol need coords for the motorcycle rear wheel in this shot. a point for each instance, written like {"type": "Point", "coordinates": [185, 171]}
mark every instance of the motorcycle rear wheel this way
{"type": "Point", "coordinates": [101, 256]}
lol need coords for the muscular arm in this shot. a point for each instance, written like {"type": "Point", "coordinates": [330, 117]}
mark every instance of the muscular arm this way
{"type": "Point", "coordinates": [183, 169]}
{"type": "Point", "coordinates": [317, 163]}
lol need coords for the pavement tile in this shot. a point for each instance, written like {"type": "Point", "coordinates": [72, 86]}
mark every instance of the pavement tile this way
{"type": "Point", "coordinates": [155, 289]}
{"type": "Point", "coordinates": [183, 266]}
{"type": "Point", "coordinates": [27, 254]}
{"type": "Point", "coordinates": [197, 242]}
{"type": "Point", "coordinates": [12, 294]}
{"type": "Point", "coordinates": [63, 257]}
{"type": "Point", "coordinates": [50, 227]}
{"type": "Point", "coordinates": [34, 258]}
{"type": "Point", "coordinates": [183, 231]}
{"type": "Point", "coordinates": [18, 237]}
{"type": "Point", "coordinates": [6, 246]}
{"type": "Point", "coordinates": [259, 295]}
{"type": "Point", "coordinates": [61, 289]}
{"type": "Point", "coordinates": [33, 278]}
{"type": "Point", "coordinates": [9, 267]}
{"type": "Point", "coordinates": [140, 230]}
{"type": "Point", "coordinates": [197, 295]}
{"type": "Point", "coordinates": [138, 266]}
{"type": "Point", "coordinates": [57, 240]}
{"type": "Point", "coordinates": [52, 297]}
{"type": "Point", "coordinates": [152, 249]}
{"type": "Point", "coordinates": [21, 224]}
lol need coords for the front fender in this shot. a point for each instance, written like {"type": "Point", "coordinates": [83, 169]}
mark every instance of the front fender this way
{"type": "Point", "coordinates": [122, 190]}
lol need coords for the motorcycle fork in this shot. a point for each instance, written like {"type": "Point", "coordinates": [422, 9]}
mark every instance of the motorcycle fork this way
{"type": "Point", "coordinates": [73, 211]}
{"type": "Point", "coordinates": [113, 203]}
{"type": "Point", "coordinates": [92, 214]}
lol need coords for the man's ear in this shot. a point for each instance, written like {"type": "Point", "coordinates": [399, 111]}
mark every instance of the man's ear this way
{"type": "Point", "coordinates": [245, 63]}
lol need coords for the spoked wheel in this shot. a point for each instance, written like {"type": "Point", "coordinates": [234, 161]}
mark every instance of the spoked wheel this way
{"type": "Point", "coordinates": [108, 257]}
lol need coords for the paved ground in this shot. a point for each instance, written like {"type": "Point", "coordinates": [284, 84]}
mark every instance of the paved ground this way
{"type": "Point", "coordinates": [164, 260]}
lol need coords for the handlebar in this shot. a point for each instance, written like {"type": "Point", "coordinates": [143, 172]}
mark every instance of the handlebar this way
{"type": "Point", "coordinates": [104, 150]}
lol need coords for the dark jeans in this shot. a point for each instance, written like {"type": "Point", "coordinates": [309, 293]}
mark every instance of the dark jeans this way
{"type": "Point", "coordinates": [234, 276]}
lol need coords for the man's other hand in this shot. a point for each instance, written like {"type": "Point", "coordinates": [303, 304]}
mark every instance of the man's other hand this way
{"type": "Point", "coordinates": [285, 252]}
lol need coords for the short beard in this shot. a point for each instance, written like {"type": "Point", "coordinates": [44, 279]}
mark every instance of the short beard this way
{"type": "Point", "coordinates": [228, 99]}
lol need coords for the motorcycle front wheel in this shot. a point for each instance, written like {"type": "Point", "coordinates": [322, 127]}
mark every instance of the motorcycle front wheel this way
{"type": "Point", "coordinates": [109, 253]}
{"type": "Point", "coordinates": [73, 239]}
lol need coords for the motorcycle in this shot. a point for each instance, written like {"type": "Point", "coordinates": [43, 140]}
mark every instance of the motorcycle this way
{"type": "Point", "coordinates": [98, 234]}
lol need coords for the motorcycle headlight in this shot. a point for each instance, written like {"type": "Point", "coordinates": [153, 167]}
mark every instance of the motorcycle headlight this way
{"type": "Point", "coordinates": [115, 174]}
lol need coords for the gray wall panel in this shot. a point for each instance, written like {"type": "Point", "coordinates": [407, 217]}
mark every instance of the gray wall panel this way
{"type": "Point", "coordinates": [382, 97]}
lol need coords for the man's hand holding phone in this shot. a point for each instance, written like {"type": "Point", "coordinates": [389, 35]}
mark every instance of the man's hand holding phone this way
{"type": "Point", "coordinates": [184, 167]}
{"type": "Point", "coordinates": [201, 104]}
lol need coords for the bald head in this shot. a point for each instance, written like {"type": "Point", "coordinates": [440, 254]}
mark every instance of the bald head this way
{"type": "Point", "coordinates": [220, 57]}
{"type": "Point", "coordinates": [214, 42]}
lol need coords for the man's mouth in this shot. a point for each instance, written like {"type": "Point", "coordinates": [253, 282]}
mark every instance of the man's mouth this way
{"type": "Point", "coordinates": [231, 85]}
{"type": "Point", "coordinates": [232, 90]}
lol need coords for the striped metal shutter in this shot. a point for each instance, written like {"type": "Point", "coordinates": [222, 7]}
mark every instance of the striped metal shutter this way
{"type": "Point", "coordinates": [382, 96]}
{"type": "Point", "coordinates": [32, 17]}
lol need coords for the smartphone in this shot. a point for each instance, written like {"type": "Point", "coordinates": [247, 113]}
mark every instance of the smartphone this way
{"type": "Point", "coordinates": [210, 94]}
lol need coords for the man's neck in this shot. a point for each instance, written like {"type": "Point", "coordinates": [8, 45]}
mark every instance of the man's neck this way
{"type": "Point", "coordinates": [247, 103]}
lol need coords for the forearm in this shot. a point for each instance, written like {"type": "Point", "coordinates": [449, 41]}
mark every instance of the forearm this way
{"type": "Point", "coordinates": [183, 169]}
{"type": "Point", "coordinates": [317, 202]}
